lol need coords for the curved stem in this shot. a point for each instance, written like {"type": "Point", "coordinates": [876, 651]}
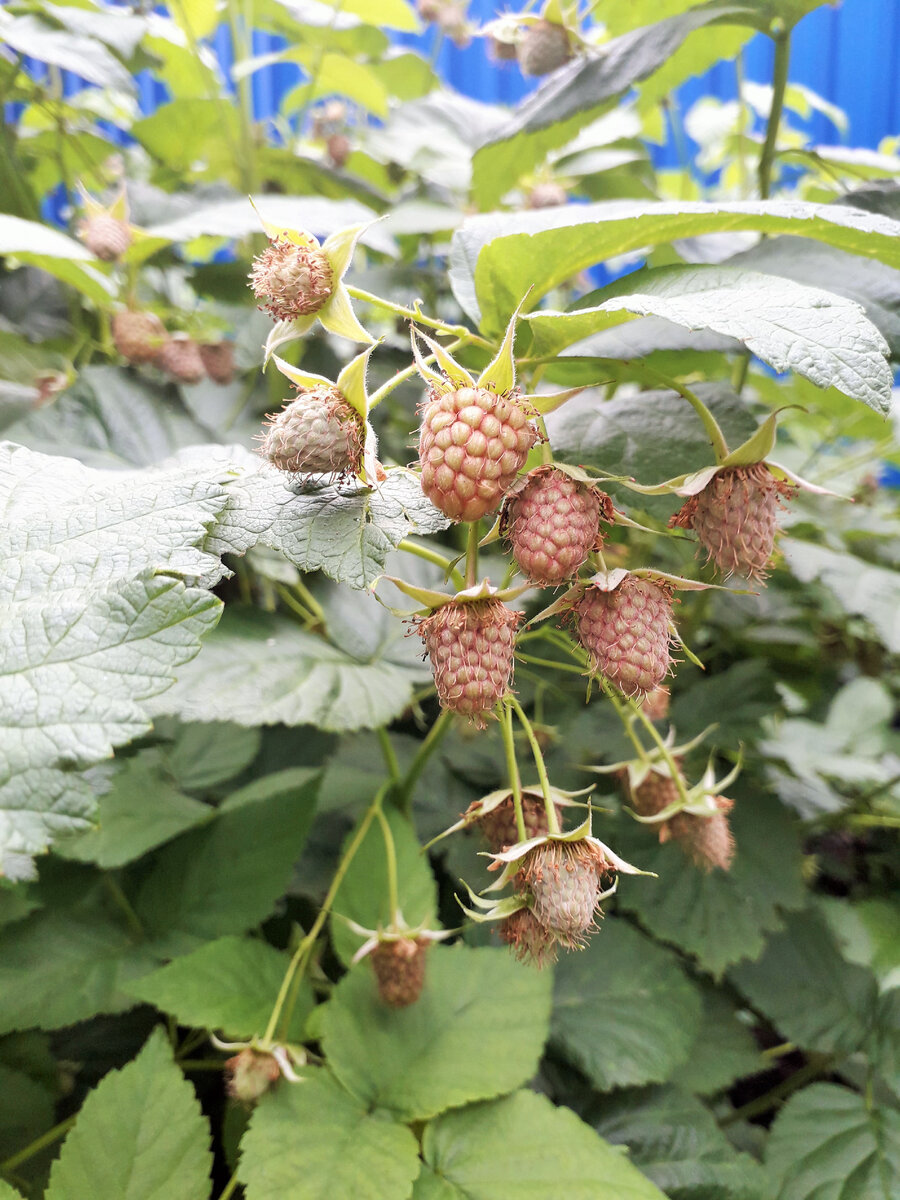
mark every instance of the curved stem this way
{"type": "Point", "coordinates": [390, 852]}
{"type": "Point", "coordinates": [779, 84]}
{"type": "Point", "coordinates": [710, 424]}
{"type": "Point", "coordinates": [552, 819]}
{"type": "Point", "coordinates": [637, 712]}
{"type": "Point", "coordinates": [432, 556]}
{"type": "Point", "coordinates": [458, 331]}
{"type": "Point", "coordinates": [408, 372]}
{"type": "Point", "coordinates": [512, 770]}
{"type": "Point", "coordinates": [39, 1144]}
{"type": "Point", "coordinates": [294, 973]}
{"type": "Point", "coordinates": [390, 755]}
{"type": "Point", "coordinates": [472, 554]}
{"type": "Point", "coordinates": [429, 744]}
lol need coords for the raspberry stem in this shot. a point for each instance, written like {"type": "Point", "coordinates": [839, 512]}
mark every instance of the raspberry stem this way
{"type": "Point", "coordinates": [472, 554]}
{"type": "Point", "coordinates": [432, 556]}
{"type": "Point", "coordinates": [710, 424]}
{"type": "Point", "coordinates": [625, 702]}
{"type": "Point", "coordinates": [390, 853]}
{"type": "Point", "coordinates": [458, 331]}
{"type": "Point", "coordinates": [552, 819]}
{"type": "Point", "coordinates": [512, 769]}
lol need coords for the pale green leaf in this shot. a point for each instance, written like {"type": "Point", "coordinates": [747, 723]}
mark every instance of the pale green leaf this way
{"type": "Point", "coordinates": [85, 56]}
{"type": "Point", "coordinates": [809, 992]}
{"type": "Point", "coordinates": [860, 588]}
{"type": "Point", "coordinates": [522, 1148]}
{"type": "Point", "coordinates": [8, 1193]}
{"type": "Point", "coordinates": [385, 14]}
{"type": "Point", "coordinates": [140, 1135]}
{"type": "Point", "coordinates": [623, 1010]}
{"type": "Point", "coordinates": [363, 894]}
{"type": "Point", "coordinates": [790, 326]}
{"type": "Point", "coordinates": [476, 1031]}
{"type": "Point", "coordinates": [826, 1143]}
{"type": "Point", "coordinates": [313, 1140]}
{"type": "Point", "coordinates": [230, 984]}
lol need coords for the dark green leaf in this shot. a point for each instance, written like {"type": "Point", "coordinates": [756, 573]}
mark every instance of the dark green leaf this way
{"type": "Point", "coordinates": [723, 1050]}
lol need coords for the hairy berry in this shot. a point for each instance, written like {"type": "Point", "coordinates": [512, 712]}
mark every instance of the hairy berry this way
{"type": "Point", "coordinates": [291, 280]}
{"type": "Point", "coordinates": [553, 523]}
{"type": "Point", "coordinates": [626, 632]}
{"type": "Point", "coordinates": [399, 966]}
{"type": "Point", "coordinates": [319, 433]}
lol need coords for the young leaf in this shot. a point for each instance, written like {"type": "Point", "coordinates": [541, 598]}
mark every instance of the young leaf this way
{"type": "Point", "coordinates": [522, 1148]}
{"type": "Point", "coordinates": [313, 1139]}
{"type": "Point", "coordinates": [828, 1141]}
{"type": "Point", "coordinates": [623, 1010]}
{"type": "Point", "coordinates": [140, 1135]}
{"type": "Point", "coordinates": [476, 1031]}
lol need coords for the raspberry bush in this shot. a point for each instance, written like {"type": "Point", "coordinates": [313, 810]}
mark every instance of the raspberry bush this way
{"type": "Point", "coordinates": [448, 707]}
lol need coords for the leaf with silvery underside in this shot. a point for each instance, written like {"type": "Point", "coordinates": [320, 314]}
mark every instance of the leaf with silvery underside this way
{"type": "Point", "coordinates": [792, 327]}
{"type": "Point", "coordinates": [497, 257]}
{"type": "Point", "coordinates": [96, 629]}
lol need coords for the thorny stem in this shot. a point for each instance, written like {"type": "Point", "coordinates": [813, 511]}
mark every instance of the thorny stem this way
{"type": "Point", "coordinates": [391, 856]}
{"type": "Point", "coordinates": [413, 314]}
{"type": "Point", "coordinates": [552, 820]}
{"type": "Point", "coordinates": [782, 41]}
{"type": "Point", "coordinates": [39, 1144]}
{"type": "Point", "coordinates": [512, 769]}
{"type": "Point", "coordinates": [297, 965]}
{"type": "Point", "coordinates": [472, 554]}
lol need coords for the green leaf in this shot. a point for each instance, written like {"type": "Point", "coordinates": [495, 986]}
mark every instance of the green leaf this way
{"type": "Point", "coordinates": [385, 14]}
{"type": "Point", "coordinates": [311, 1140]}
{"type": "Point", "coordinates": [210, 753]}
{"type": "Point", "coordinates": [868, 932]}
{"type": "Point", "coordinates": [790, 326]}
{"type": "Point", "coordinates": [192, 136]}
{"type": "Point", "coordinates": [230, 984]}
{"type": "Point", "coordinates": [522, 1148]}
{"type": "Point", "coordinates": [648, 435]}
{"type": "Point", "coordinates": [100, 629]}
{"type": "Point", "coordinates": [723, 1050]}
{"type": "Point", "coordinates": [572, 98]}
{"type": "Point", "coordinates": [496, 257]}
{"type": "Point", "coordinates": [29, 36]}
{"type": "Point", "coordinates": [476, 1031]}
{"type": "Point", "coordinates": [675, 1140]}
{"type": "Point", "coordinates": [262, 669]}
{"type": "Point", "coordinates": [141, 810]}
{"type": "Point", "coordinates": [51, 250]}
{"type": "Point", "coordinates": [139, 1135]}
{"type": "Point", "coordinates": [826, 1142]}
{"type": "Point", "coordinates": [723, 916]}
{"type": "Point", "coordinates": [623, 1010]}
{"type": "Point", "coordinates": [331, 73]}
{"type": "Point", "coordinates": [363, 894]}
{"type": "Point", "coordinates": [8, 1193]}
{"type": "Point", "coordinates": [226, 876]}
{"type": "Point", "coordinates": [803, 985]}
{"type": "Point", "coordinates": [860, 588]}
{"type": "Point", "coordinates": [27, 1106]}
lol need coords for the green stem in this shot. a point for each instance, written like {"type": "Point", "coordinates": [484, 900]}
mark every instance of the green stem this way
{"type": "Point", "coordinates": [552, 819]}
{"type": "Point", "coordinates": [390, 755]}
{"type": "Point", "coordinates": [432, 556]}
{"type": "Point", "coordinates": [549, 662]}
{"type": "Point", "coordinates": [429, 744]}
{"type": "Point", "coordinates": [710, 424]}
{"type": "Point", "coordinates": [408, 372]}
{"type": "Point", "coordinates": [458, 331]}
{"type": "Point", "coordinates": [472, 554]}
{"type": "Point", "coordinates": [229, 1188]}
{"type": "Point", "coordinates": [310, 601]}
{"type": "Point", "coordinates": [820, 1064]}
{"type": "Point", "coordinates": [39, 1144]}
{"type": "Point", "coordinates": [390, 853]}
{"type": "Point", "coordinates": [674, 769]}
{"type": "Point", "coordinates": [294, 604]}
{"type": "Point", "coordinates": [294, 972]}
{"type": "Point", "coordinates": [546, 448]}
{"type": "Point", "coordinates": [782, 41]}
{"type": "Point", "coordinates": [512, 770]}
{"type": "Point", "coordinates": [245, 96]}
{"type": "Point", "coordinates": [123, 904]}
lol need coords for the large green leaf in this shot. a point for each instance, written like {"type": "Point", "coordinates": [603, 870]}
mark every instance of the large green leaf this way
{"type": "Point", "coordinates": [675, 1140]}
{"type": "Point", "coordinates": [723, 1050]}
{"type": "Point", "coordinates": [312, 1140]}
{"type": "Point", "coordinates": [225, 876]}
{"type": "Point", "coordinates": [363, 894]}
{"type": "Point", "coordinates": [861, 588]}
{"type": "Point", "coordinates": [259, 668]}
{"type": "Point", "coordinates": [573, 97]}
{"type": "Point", "coordinates": [827, 1142]}
{"type": "Point", "coordinates": [229, 984]}
{"type": "Point", "coordinates": [139, 1135]}
{"type": "Point", "coordinates": [497, 257]}
{"type": "Point", "coordinates": [477, 1031]}
{"type": "Point", "coordinates": [522, 1148]}
{"type": "Point", "coordinates": [809, 992]}
{"type": "Point", "coordinates": [98, 629]}
{"type": "Point", "coordinates": [623, 1010]}
{"type": "Point", "coordinates": [723, 916]}
{"type": "Point", "coordinates": [790, 326]}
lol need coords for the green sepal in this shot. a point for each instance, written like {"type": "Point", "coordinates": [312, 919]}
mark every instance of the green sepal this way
{"type": "Point", "coordinates": [500, 373]}
{"type": "Point", "coordinates": [458, 376]}
{"type": "Point", "coordinates": [757, 448]}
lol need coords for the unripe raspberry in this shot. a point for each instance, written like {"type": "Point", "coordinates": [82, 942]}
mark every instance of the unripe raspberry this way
{"type": "Point", "coordinates": [338, 147]}
{"type": "Point", "coordinates": [292, 281]}
{"type": "Point", "coordinates": [180, 358]}
{"type": "Point", "coordinates": [544, 47]}
{"type": "Point", "coordinates": [499, 825]}
{"type": "Point", "coordinates": [626, 633]}
{"type": "Point", "coordinates": [399, 967]}
{"type": "Point", "coordinates": [564, 879]}
{"type": "Point", "coordinates": [501, 51]}
{"type": "Point", "coordinates": [319, 433]}
{"type": "Point", "coordinates": [546, 195]}
{"type": "Point", "coordinates": [472, 444]}
{"type": "Point", "coordinates": [735, 518]}
{"type": "Point", "coordinates": [218, 359]}
{"type": "Point", "coordinates": [138, 336]}
{"type": "Point", "coordinates": [528, 939]}
{"type": "Point", "coordinates": [656, 704]}
{"type": "Point", "coordinates": [471, 647]}
{"type": "Point", "coordinates": [656, 791]}
{"type": "Point", "coordinates": [106, 237]}
{"type": "Point", "coordinates": [707, 841]}
{"type": "Point", "coordinates": [250, 1074]}
{"type": "Point", "coordinates": [553, 523]}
